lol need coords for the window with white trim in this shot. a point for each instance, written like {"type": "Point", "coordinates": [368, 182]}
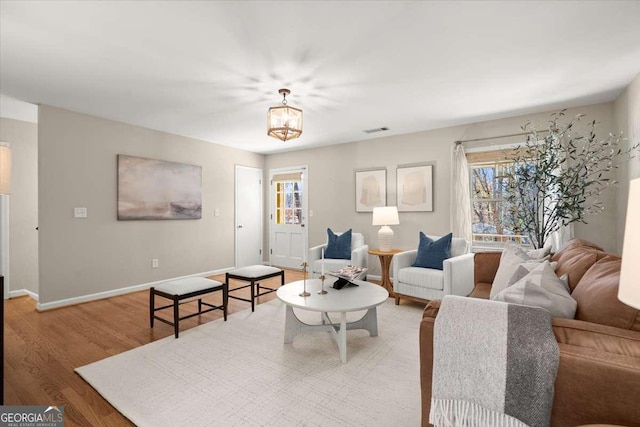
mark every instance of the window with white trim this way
{"type": "Point", "coordinates": [492, 220]}
{"type": "Point", "coordinates": [288, 203]}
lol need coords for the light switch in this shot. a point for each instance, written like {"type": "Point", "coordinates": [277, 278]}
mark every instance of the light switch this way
{"type": "Point", "coordinates": [79, 212]}
{"type": "Point", "coordinates": [216, 212]}
{"type": "Point", "coordinates": [310, 213]}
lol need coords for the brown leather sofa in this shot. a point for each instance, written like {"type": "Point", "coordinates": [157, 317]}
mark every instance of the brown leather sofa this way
{"type": "Point", "coordinates": [598, 378]}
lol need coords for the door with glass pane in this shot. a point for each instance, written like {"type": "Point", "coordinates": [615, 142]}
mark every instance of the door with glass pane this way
{"type": "Point", "coordinates": [288, 234]}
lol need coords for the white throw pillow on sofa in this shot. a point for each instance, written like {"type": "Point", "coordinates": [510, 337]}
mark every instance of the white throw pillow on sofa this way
{"type": "Point", "coordinates": [511, 258]}
{"type": "Point", "coordinates": [541, 288]}
{"type": "Point", "coordinates": [526, 267]}
{"type": "Point", "coordinates": [542, 253]}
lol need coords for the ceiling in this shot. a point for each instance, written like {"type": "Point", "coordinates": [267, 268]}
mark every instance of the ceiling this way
{"type": "Point", "coordinates": [211, 69]}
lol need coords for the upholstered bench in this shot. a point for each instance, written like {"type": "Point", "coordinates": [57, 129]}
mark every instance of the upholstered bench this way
{"type": "Point", "coordinates": [182, 289]}
{"type": "Point", "coordinates": [253, 274]}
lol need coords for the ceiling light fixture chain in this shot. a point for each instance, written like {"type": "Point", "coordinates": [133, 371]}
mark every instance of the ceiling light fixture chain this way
{"type": "Point", "coordinates": [284, 93]}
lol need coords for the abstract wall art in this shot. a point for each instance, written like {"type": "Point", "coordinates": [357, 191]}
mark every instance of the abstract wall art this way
{"type": "Point", "coordinates": [415, 188]}
{"type": "Point", "coordinates": [371, 189]}
{"type": "Point", "coordinates": [151, 189]}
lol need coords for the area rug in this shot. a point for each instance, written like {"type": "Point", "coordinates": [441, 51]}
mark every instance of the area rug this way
{"type": "Point", "coordinates": [239, 373]}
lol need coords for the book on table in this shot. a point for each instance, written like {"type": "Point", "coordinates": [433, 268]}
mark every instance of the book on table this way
{"type": "Point", "coordinates": [346, 275]}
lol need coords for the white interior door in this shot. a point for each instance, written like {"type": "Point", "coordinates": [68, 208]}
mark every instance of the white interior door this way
{"type": "Point", "coordinates": [249, 216]}
{"type": "Point", "coordinates": [287, 225]}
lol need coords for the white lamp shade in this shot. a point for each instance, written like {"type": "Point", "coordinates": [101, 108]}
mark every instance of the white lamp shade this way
{"type": "Point", "coordinates": [629, 290]}
{"type": "Point", "coordinates": [386, 215]}
{"type": "Point", "coordinates": [5, 170]}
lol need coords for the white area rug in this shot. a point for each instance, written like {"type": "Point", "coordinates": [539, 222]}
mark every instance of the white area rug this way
{"type": "Point", "coordinates": [239, 373]}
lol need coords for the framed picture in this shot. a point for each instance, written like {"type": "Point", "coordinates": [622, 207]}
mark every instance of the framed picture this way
{"type": "Point", "coordinates": [155, 189]}
{"type": "Point", "coordinates": [371, 189]}
{"type": "Point", "coordinates": [415, 188]}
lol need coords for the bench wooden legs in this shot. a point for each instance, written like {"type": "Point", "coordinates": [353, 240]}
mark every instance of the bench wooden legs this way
{"type": "Point", "coordinates": [152, 305]}
{"type": "Point", "coordinates": [254, 284]}
{"type": "Point", "coordinates": [176, 301]}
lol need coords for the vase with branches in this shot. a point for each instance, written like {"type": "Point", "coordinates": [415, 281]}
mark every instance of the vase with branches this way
{"type": "Point", "coordinates": [556, 179]}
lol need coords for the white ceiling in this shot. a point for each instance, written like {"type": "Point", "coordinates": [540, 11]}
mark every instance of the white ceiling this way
{"type": "Point", "coordinates": [210, 70]}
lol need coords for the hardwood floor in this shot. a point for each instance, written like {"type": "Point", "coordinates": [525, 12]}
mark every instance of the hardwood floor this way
{"type": "Point", "coordinates": [42, 349]}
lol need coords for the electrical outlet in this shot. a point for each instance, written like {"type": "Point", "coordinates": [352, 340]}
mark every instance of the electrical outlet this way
{"type": "Point", "coordinates": [154, 263]}
{"type": "Point", "coordinates": [79, 212]}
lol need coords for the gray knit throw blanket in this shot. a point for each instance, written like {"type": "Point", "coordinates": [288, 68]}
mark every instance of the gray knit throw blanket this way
{"type": "Point", "coordinates": [494, 364]}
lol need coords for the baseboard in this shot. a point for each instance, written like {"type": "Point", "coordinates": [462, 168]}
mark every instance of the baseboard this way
{"type": "Point", "coordinates": [121, 291]}
{"type": "Point", "coordinates": [371, 276]}
{"type": "Point", "coordinates": [23, 292]}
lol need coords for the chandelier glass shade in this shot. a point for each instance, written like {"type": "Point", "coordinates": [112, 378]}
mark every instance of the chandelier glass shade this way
{"type": "Point", "coordinates": [284, 122]}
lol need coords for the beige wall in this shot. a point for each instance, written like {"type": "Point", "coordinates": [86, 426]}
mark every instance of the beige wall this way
{"type": "Point", "coordinates": [627, 119]}
{"type": "Point", "coordinates": [77, 168]}
{"type": "Point", "coordinates": [331, 179]}
{"type": "Point", "coordinates": [23, 215]}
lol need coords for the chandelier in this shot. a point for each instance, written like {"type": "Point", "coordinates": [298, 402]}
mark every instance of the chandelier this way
{"type": "Point", "coordinates": [284, 122]}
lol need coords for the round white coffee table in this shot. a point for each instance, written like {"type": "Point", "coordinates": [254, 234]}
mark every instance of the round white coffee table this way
{"type": "Point", "coordinates": [365, 296]}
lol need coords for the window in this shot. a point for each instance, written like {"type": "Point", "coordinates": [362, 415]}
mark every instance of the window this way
{"type": "Point", "coordinates": [492, 223]}
{"type": "Point", "coordinates": [288, 202]}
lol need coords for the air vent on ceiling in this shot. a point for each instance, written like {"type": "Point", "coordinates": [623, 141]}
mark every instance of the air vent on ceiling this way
{"type": "Point", "coordinates": [374, 130]}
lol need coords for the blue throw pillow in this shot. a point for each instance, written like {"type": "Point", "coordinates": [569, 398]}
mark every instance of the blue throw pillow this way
{"type": "Point", "coordinates": [431, 253]}
{"type": "Point", "coordinates": [338, 247]}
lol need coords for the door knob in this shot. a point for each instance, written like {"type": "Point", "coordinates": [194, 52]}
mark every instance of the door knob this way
{"type": "Point", "coordinates": [239, 226]}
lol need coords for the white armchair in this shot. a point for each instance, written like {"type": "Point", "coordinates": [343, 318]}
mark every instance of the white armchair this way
{"type": "Point", "coordinates": [456, 278]}
{"type": "Point", "coordinates": [359, 257]}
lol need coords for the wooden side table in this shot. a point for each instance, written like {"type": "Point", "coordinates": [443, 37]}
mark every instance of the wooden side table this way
{"type": "Point", "coordinates": [385, 262]}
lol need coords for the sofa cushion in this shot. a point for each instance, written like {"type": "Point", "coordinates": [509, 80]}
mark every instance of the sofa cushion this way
{"type": "Point", "coordinates": [573, 243]}
{"type": "Point", "coordinates": [481, 290]}
{"type": "Point", "coordinates": [485, 266]}
{"type": "Point", "coordinates": [594, 336]}
{"type": "Point", "coordinates": [432, 253]}
{"type": "Point", "coordinates": [541, 288]}
{"type": "Point", "coordinates": [425, 277]}
{"type": "Point", "coordinates": [512, 256]}
{"type": "Point", "coordinates": [338, 246]}
{"type": "Point", "coordinates": [575, 261]}
{"type": "Point", "coordinates": [597, 296]}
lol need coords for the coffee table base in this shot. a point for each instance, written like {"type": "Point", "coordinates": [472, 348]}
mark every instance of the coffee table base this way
{"type": "Point", "coordinates": [294, 327]}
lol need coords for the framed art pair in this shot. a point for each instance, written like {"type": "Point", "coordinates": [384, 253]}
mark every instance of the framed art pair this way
{"type": "Point", "coordinates": [414, 188]}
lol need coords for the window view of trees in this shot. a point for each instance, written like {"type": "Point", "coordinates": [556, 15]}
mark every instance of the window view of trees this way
{"type": "Point", "coordinates": [492, 219]}
{"type": "Point", "coordinates": [289, 202]}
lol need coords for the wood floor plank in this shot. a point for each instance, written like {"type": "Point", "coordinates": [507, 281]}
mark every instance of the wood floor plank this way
{"type": "Point", "coordinates": [93, 408]}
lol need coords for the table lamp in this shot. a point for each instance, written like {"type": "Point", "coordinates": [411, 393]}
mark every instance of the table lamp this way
{"type": "Point", "coordinates": [629, 289]}
{"type": "Point", "coordinates": [385, 216]}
